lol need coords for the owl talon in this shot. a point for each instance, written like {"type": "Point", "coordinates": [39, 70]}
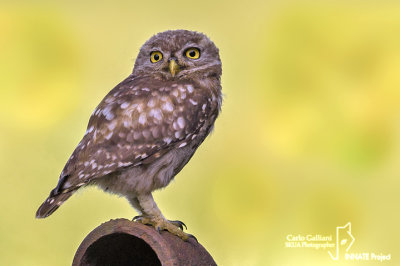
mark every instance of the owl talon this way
{"type": "Point", "coordinates": [192, 236]}
{"type": "Point", "coordinates": [179, 224]}
{"type": "Point", "coordinates": [137, 217]}
{"type": "Point", "coordinates": [144, 220]}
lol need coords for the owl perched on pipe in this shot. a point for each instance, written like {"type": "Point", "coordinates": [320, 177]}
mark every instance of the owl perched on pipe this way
{"type": "Point", "coordinates": [148, 127]}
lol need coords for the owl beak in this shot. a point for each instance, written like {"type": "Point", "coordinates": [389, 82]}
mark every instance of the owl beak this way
{"type": "Point", "coordinates": [173, 67]}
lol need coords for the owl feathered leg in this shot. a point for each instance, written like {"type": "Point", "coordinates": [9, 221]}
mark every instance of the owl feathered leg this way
{"type": "Point", "coordinates": [135, 204]}
{"type": "Point", "coordinates": [152, 215]}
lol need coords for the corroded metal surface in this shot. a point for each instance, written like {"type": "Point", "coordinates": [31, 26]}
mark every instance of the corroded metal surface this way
{"type": "Point", "coordinates": [123, 242]}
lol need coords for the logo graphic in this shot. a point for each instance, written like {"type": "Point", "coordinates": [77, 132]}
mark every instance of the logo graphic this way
{"type": "Point", "coordinates": [343, 238]}
{"type": "Point", "coordinates": [344, 241]}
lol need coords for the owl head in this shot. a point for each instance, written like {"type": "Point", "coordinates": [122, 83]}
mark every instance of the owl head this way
{"type": "Point", "coordinates": [178, 54]}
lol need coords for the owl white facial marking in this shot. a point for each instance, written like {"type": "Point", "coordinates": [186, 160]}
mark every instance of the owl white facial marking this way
{"type": "Point", "coordinates": [193, 102]}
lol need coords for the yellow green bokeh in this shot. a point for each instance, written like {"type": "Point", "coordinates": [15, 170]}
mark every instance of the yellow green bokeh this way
{"type": "Point", "coordinates": [308, 138]}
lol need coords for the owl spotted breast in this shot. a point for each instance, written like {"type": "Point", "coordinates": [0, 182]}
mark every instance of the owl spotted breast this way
{"type": "Point", "coordinates": [148, 127]}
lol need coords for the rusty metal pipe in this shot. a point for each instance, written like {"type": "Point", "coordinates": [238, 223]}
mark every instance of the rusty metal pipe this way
{"type": "Point", "coordinates": [122, 242]}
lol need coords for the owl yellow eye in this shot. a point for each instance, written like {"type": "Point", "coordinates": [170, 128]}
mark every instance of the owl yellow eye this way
{"type": "Point", "coordinates": [155, 56]}
{"type": "Point", "coordinates": [192, 53]}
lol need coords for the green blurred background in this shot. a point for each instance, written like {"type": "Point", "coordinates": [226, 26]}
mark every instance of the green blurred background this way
{"type": "Point", "coordinates": [309, 136]}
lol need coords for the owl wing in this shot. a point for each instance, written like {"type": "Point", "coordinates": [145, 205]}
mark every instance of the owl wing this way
{"type": "Point", "coordinates": [134, 125]}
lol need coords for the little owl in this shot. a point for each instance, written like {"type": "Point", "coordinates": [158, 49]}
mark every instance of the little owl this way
{"type": "Point", "coordinates": [148, 127]}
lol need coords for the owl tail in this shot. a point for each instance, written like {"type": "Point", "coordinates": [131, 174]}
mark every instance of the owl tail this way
{"type": "Point", "coordinates": [51, 204]}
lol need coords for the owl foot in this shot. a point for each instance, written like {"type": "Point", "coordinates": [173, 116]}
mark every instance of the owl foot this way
{"type": "Point", "coordinates": [177, 223]}
{"type": "Point", "coordinates": [174, 227]}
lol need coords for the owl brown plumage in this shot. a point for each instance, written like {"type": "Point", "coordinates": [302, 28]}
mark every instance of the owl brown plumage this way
{"type": "Point", "coordinates": [148, 127]}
